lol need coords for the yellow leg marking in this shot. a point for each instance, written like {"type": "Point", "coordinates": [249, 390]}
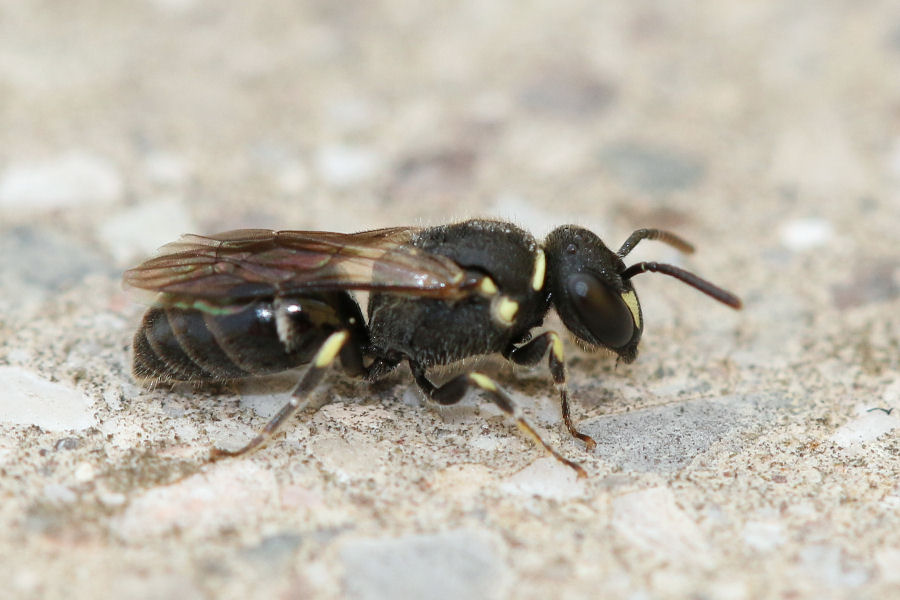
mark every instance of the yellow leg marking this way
{"type": "Point", "coordinates": [580, 473]}
{"type": "Point", "coordinates": [483, 381]}
{"type": "Point", "coordinates": [508, 406]}
{"type": "Point", "coordinates": [540, 271]}
{"type": "Point", "coordinates": [558, 348]}
{"type": "Point", "coordinates": [631, 301]}
{"type": "Point", "coordinates": [330, 348]}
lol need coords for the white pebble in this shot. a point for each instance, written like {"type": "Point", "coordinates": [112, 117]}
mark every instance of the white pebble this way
{"type": "Point", "coordinates": [545, 477]}
{"type": "Point", "coordinates": [806, 234]}
{"type": "Point", "coordinates": [175, 6]}
{"type": "Point", "coordinates": [64, 181]}
{"type": "Point", "coordinates": [763, 536]}
{"type": "Point", "coordinates": [450, 564]}
{"type": "Point", "coordinates": [56, 493]}
{"type": "Point", "coordinates": [165, 168]}
{"type": "Point", "coordinates": [865, 428]}
{"type": "Point", "coordinates": [348, 459]}
{"type": "Point", "coordinates": [652, 521]}
{"type": "Point", "coordinates": [893, 159]}
{"type": "Point", "coordinates": [84, 472]}
{"type": "Point", "coordinates": [30, 400]}
{"type": "Point", "coordinates": [111, 499]}
{"type": "Point", "coordinates": [888, 562]}
{"type": "Point", "coordinates": [345, 165]}
{"type": "Point", "coordinates": [136, 232]}
{"type": "Point", "coordinates": [292, 178]}
{"type": "Point", "coordinates": [226, 496]}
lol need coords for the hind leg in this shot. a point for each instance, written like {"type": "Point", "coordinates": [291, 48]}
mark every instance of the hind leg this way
{"type": "Point", "coordinates": [330, 349]}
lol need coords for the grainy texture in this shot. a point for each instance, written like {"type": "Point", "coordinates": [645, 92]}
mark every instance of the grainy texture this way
{"type": "Point", "coordinates": [743, 455]}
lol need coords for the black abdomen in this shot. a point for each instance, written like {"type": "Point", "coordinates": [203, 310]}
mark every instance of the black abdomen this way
{"type": "Point", "coordinates": [177, 344]}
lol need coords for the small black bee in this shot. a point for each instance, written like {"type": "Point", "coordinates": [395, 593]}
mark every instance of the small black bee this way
{"type": "Point", "coordinates": [253, 301]}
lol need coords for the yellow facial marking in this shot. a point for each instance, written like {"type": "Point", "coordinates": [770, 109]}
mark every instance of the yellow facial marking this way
{"type": "Point", "coordinates": [488, 287]}
{"type": "Point", "coordinates": [505, 310]}
{"type": "Point", "coordinates": [330, 348]}
{"type": "Point", "coordinates": [540, 271]}
{"type": "Point", "coordinates": [483, 381]}
{"type": "Point", "coordinates": [631, 302]}
{"type": "Point", "coordinates": [558, 349]}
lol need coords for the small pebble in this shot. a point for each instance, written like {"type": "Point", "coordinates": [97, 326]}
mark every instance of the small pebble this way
{"type": "Point", "coordinates": [84, 472]}
{"type": "Point", "coordinates": [805, 234]}
{"type": "Point", "coordinates": [888, 562]}
{"type": "Point", "coordinates": [56, 493]}
{"type": "Point", "coordinates": [138, 231]}
{"type": "Point", "coordinates": [68, 443]}
{"type": "Point", "coordinates": [343, 166]}
{"type": "Point", "coordinates": [547, 478]}
{"type": "Point", "coordinates": [228, 495]}
{"type": "Point", "coordinates": [111, 499]}
{"type": "Point", "coordinates": [865, 428]}
{"type": "Point", "coordinates": [27, 399]}
{"type": "Point", "coordinates": [652, 169]}
{"type": "Point", "coordinates": [893, 159]}
{"type": "Point", "coordinates": [763, 536]}
{"type": "Point", "coordinates": [652, 520]}
{"type": "Point", "coordinates": [292, 177]}
{"type": "Point", "coordinates": [65, 181]}
{"type": "Point", "coordinates": [449, 565]}
{"type": "Point", "coordinates": [163, 168]}
{"type": "Point", "coordinates": [827, 564]}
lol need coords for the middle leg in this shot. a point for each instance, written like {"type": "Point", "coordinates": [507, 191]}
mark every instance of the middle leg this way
{"type": "Point", "coordinates": [453, 391]}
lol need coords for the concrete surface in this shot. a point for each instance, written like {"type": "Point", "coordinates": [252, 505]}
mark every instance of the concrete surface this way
{"type": "Point", "coordinates": [744, 455]}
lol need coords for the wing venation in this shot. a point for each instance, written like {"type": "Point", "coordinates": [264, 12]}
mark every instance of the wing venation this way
{"type": "Point", "coordinates": [251, 263]}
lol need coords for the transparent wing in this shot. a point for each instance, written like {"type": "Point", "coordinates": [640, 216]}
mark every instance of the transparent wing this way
{"type": "Point", "coordinates": [251, 263]}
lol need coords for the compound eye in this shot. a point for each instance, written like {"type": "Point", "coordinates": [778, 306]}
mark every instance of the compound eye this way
{"type": "Point", "coordinates": [601, 310]}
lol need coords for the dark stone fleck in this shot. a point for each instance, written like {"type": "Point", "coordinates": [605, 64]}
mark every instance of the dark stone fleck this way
{"type": "Point", "coordinates": [442, 566]}
{"type": "Point", "coordinates": [873, 281]}
{"type": "Point", "coordinates": [893, 38]}
{"type": "Point", "coordinates": [652, 169]}
{"type": "Point", "coordinates": [433, 175]}
{"type": "Point", "coordinates": [567, 95]}
{"type": "Point", "coordinates": [274, 549]}
{"type": "Point", "coordinates": [68, 443]}
{"type": "Point", "coordinates": [45, 259]}
{"type": "Point", "coordinates": [666, 439]}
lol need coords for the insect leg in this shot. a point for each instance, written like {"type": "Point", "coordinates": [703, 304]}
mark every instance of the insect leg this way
{"type": "Point", "coordinates": [328, 352]}
{"type": "Point", "coordinates": [529, 354]}
{"type": "Point", "coordinates": [453, 391]}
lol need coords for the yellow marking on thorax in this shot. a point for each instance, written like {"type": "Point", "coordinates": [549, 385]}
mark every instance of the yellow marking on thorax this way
{"type": "Point", "coordinates": [330, 348]}
{"type": "Point", "coordinates": [504, 309]}
{"type": "Point", "coordinates": [487, 287]}
{"type": "Point", "coordinates": [540, 271]}
{"type": "Point", "coordinates": [631, 302]}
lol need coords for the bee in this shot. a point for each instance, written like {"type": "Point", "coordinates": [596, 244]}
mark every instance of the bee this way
{"type": "Point", "coordinates": [255, 301]}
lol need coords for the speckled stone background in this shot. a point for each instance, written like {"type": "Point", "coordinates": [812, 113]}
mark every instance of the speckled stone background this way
{"type": "Point", "coordinates": [744, 455]}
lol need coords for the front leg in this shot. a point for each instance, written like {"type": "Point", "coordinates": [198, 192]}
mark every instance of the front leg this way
{"type": "Point", "coordinates": [453, 391]}
{"type": "Point", "coordinates": [529, 354]}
